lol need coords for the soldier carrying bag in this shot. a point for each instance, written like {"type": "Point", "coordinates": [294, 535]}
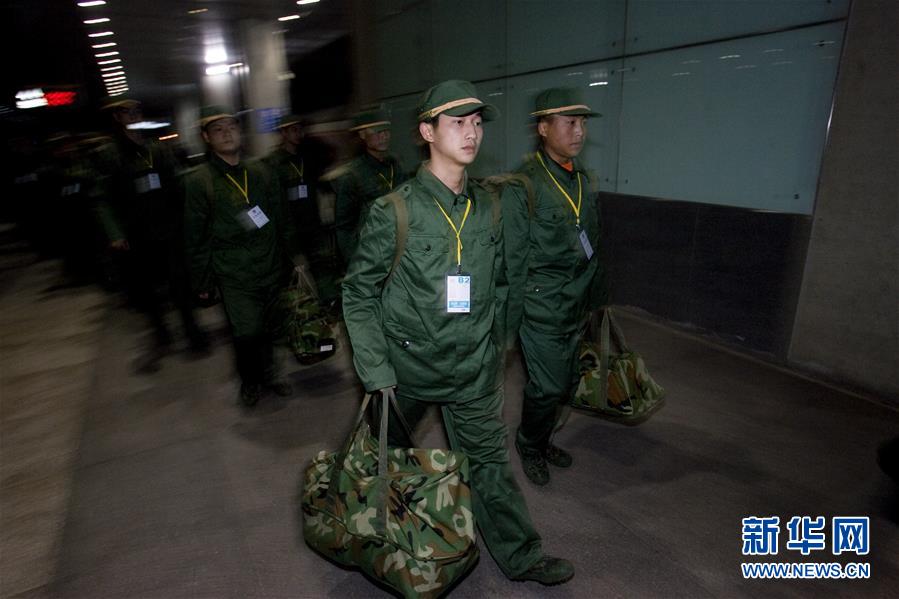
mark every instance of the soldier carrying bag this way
{"type": "Point", "coordinates": [616, 385]}
{"type": "Point", "coordinates": [401, 515]}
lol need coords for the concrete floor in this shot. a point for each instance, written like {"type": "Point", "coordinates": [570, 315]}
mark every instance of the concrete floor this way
{"type": "Point", "coordinates": [119, 485]}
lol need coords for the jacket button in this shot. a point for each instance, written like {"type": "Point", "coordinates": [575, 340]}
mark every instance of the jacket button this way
{"type": "Point", "coordinates": [428, 248]}
{"type": "Point", "coordinates": [406, 343]}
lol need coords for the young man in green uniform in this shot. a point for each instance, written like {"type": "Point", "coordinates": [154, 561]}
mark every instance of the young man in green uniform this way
{"type": "Point", "coordinates": [370, 175]}
{"type": "Point", "coordinates": [298, 177]}
{"type": "Point", "coordinates": [238, 241]}
{"type": "Point", "coordinates": [552, 246]}
{"type": "Point", "coordinates": [138, 202]}
{"type": "Point", "coordinates": [429, 328]}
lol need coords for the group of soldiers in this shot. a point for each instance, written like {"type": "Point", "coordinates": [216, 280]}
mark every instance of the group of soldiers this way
{"type": "Point", "coordinates": [444, 273]}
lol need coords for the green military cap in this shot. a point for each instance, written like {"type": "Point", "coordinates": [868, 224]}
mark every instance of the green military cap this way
{"type": "Point", "coordinates": [454, 98]}
{"type": "Point", "coordinates": [208, 114]}
{"type": "Point", "coordinates": [289, 119]}
{"type": "Point", "coordinates": [376, 119]}
{"type": "Point", "coordinates": [113, 102]}
{"type": "Point", "coordinates": [561, 100]}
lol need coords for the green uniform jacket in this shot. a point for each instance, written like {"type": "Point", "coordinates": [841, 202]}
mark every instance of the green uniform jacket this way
{"type": "Point", "coordinates": [222, 246]}
{"type": "Point", "coordinates": [364, 179]}
{"type": "Point", "coordinates": [548, 268]}
{"type": "Point", "coordinates": [126, 208]}
{"type": "Point", "coordinates": [402, 335]}
{"type": "Point", "coordinates": [293, 171]}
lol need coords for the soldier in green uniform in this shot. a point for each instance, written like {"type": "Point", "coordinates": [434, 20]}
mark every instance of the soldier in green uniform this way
{"type": "Point", "coordinates": [368, 176]}
{"type": "Point", "coordinates": [429, 326]}
{"type": "Point", "coordinates": [238, 241]}
{"type": "Point", "coordinates": [298, 178]}
{"type": "Point", "coordinates": [138, 202]}
{"type": "Point", "coordinates": [552, 246]}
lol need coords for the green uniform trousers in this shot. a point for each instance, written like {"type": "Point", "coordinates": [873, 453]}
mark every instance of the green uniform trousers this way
{"type": "Point", "coordinates": [255, 318]}
{"type": "Point", "coordinates": [552, 366]}
{"type": "Point", "coordinates": [475, 428]}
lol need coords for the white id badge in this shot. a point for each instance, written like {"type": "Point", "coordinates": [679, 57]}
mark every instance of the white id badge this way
{"type": "Point", "coordinates": [458, 293]}
{"type": "Point", "coordinates": [297, 192]}
{"type": "Point", "coordinates": [148, 182]}
{"type": "Point", "coordinates": [585, 243]}
{"type": "Point", "coordinates": [257, 216]}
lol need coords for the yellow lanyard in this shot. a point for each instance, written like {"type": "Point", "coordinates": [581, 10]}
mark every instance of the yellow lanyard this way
{"type": "Point", "coordinates": [577, 208]}
{"type": "Point", "coordinates": [149, 159]}
{"type": "Point", "coordinates": [245, 190]}
{"type": "Point", "coordinates": [457, 231]}
{"type": "Point", "coordinates": [299, 170]}
{"type": "Point", "coordinates": [390, 182]}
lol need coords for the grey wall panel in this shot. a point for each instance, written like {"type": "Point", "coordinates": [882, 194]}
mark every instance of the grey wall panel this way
{"type": "Point", "coordinates": [740, 123]}
{"type": "Point", "coordinates": [658, 24]}
{"type": "Point", "coordinates": [544, 34]}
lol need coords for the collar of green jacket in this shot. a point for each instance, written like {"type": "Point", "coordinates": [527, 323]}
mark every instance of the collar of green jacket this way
{"type": "Point", "coordinates": [441, 192]}
{"type": "Point", "coordinates": [223, 166]}
{"type": "Point", "coordinates": [556, 169]}
{"type": "Point", "coordinates": [380, 165]}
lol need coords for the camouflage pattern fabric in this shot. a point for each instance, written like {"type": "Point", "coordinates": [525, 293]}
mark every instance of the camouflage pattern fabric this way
{"type": "Point", "coordinates": [309, 334]}
{"type": "Point", "coordinates": [627, 378]}
{"type": "Point", "coordinates": [411, 527]}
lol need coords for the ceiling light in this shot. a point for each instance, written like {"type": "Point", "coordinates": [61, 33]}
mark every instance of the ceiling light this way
{"type": "Point", "coordinates": [216, 54]}
{"type": "Point", "coordinates": [302, 2]}
{"type": "Point", "coordinates": [113, 74]}
{"type": "Point", "coordinates": [217, 69]}
{"type": "Point", "coordinates": [110, 61]}
{"type": "Point", "coordinates": [106, 45]}
{"type": "Point", "coordinates": [92, 3]}
{"type": "Point", "coordinates": [171, 136]}
{"type": "Point", "coordinates": [100, 34]}
{"type": "Point", "coordinates": [149, 125]}
{"type": "Point", "coordinates": [197, 11]}
{"type": "Point", "coordinates": [595, 83]}
{"type": "Point", "coordinates": [105, 54]}
{"type": "Point", "coordinates": [114, 80]}
{"type": "Point", "coordinates": [115, 68]}
{"type": "Point", "coordinates": [289, 18]}
{"type": "Point", "coordinates": [95, 21]}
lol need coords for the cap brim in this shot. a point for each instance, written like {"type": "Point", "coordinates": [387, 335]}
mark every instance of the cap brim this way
{"type": "Point", "coordinates": [206, 121]}
{"type": "Point", "coordinates": [488, 112]}
{"type": "Point", "coordinates": [572, 112]}
{"type": "Point", "coordinates": [124, 103]}
{"type": "Point", "coordinates": [374, 127]}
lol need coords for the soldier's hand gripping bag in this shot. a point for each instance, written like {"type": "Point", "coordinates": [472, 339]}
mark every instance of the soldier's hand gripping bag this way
{"type": "Point", "coordinates": [401, 515]}
{"type": "Point", "coordinates": [309, 332]}
{"type": "Point", "coordinates": [615, 385]}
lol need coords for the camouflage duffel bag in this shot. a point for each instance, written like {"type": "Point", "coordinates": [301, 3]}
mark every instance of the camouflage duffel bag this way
{"type": "Point", "coordinates": [401, 515]}
{"type": "Point", "coordinates": [310, 335]}
{"type": "Point", "coordinates": [617, 385]}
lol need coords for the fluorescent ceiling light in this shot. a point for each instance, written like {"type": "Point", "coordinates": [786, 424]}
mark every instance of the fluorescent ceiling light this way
{"type": "Point", "coordinates": [118, 67]}
{"type": "Point", "coordinates": [105, 54]}
{"type": "Point", "coordinates": [95, 21]}
{"type": "Point", "coordinates": [116, 81]}
{"type": "Point", "coordinates": [595, 83]}
{"type": "Point", "coordinates": [197, 11]}
{"type": "Point", "coordinates": [149, 125]}
{"type": "Point", "coordinates": [113, 74]}
{"type": "Point", "coordinates": [217, 69]}
{"type": "Point", "coordinates": [216, 54]}
{"type": "Point", "coordinates": [110, 61]}
{"type": "Point", "coordinates": [92, 3]}
{"type": "Point", "coordinates": [302, 2]}
{"type": "Point", "coordinates": [100, 34]}
{"type": "Point", "coordinates": [106, 45]}
{"type": "Point", "coordinates": [289, 18]}
{"type": "Point", "coordinates": [171, 136]}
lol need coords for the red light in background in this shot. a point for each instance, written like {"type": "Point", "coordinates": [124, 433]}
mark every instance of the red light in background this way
{"type": "Point", "coordinates": [60, 98]}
